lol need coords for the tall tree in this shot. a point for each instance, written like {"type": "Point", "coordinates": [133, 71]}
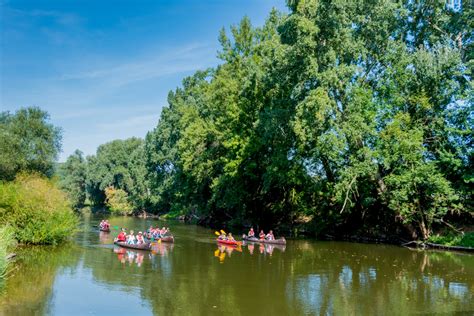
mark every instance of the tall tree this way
{"type": "Point", "coordinates": [73, 178]}
{"type": "Point", "coordinates": [28, 142]}
{"type": "Point", "coordinates": [118, 164]}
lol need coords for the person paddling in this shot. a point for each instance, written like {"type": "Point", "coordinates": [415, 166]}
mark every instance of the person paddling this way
{"type": "Point", "coordinates": [149, 232]}
{"type": "Point", "coordinates": [131, 238]}
{"type": "Point", "coordinates": [251, 233]}
{"type": "Point", "coordinates": [222, 236]}
{"type": "Point", "coordinates": [230, 237]}
{"type": "Point", "coordinates": [163, 231]}
{"type": "Point", "coordinates": [122, 237]}
{"type": "Point", "coordinates": [270, 236]}
{"type": "Point", "coordinates": [261, 235]}
{"type": "Point", "coordinates": [140, 239]}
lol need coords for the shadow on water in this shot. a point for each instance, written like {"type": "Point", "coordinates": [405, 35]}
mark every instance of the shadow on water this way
{"type": "Point", "coordinates": [199, 277]}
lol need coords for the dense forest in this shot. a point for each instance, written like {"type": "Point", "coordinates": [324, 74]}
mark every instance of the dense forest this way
{"type": "Point", "coordinates": [341, 117]}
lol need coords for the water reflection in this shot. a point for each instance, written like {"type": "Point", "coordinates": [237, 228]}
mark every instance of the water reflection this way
{"type": "Point", "coordinates": [161, 248]}
{"type": "Point", "coordinates": [303, 278]}
{"type": "Point", "coordinates": [225, 250]}
{"type": "Point", "coordinates": [134, 256]}
{"type": "Point", "coordinates": [266, 249]}
{"type": "Point", "coordinates": [105, 237]}
{"type": "Point", "coordinates": [378, 279]}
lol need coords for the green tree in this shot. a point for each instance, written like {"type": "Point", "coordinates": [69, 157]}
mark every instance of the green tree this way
{"type": "Point", "coordinates": [354, 115]}
{"type": "Point", "coordinates": [73, 178]}
{"type": "Point", "coordinates": [28, 143]}
{"type": "Point", "coordinates": [118, 164]}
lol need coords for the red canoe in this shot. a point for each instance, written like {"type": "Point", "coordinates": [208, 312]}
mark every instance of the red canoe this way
{"type": "Point", "coordinates": [228, 242]}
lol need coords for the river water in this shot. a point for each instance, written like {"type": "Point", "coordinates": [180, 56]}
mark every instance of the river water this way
{"type": "Point", "coordinates": [194, 276]}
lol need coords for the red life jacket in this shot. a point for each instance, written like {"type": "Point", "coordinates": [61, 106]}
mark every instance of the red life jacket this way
{"type": "Point", "coordinates": [121, 237]}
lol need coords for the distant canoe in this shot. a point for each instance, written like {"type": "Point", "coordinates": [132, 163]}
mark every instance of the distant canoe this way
{"type": "Point", "coordinates": [165, 239]}
{"type": "Point", "coordinates": [279, 241]}
{"type": "Point", "coordinates": [146, 246]}
{"type": "Point", "coordinates": [228, 242]}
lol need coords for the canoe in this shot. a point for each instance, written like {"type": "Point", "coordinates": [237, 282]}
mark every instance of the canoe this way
{"type": "Point", "coordinates": [227, 242]}
{"type": "Point", "coordinates": [165, 239]}
{"type": "Point", "coordinates": [279, 241]}
{"type": "Point", "coordinates": [146, 246]}
{"type": "Point", "coordinates": [107, 230]}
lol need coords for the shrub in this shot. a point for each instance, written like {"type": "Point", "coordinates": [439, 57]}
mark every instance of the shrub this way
{"type": "Point", "coordinates": [36, 209]}
{"type": "Point", "coordinates": [117, 201]}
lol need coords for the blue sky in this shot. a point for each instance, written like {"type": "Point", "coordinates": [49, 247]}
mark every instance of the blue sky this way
{"type": "Point", "coordinates": [103, 69]}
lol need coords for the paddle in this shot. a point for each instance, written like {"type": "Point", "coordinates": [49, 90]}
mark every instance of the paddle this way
{"type": "Point", "coordinates": [217, 233]}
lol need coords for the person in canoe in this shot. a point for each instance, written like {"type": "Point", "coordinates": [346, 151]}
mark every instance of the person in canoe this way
{"type": "Point", "coordinates": [140, 239]}
{"type": "Point", "coordinates": [261, 235]}
{"type": "Point", "coordinates": [122, 236]}
{"type": "Point", "coordinates": [222, 236]}
{"type": "Point", "coordinates": [270, 236]}
{"type": "Point", "coordinates": [149, 232]}
{"type": "Point", "coordinates": [104, 224]}
{"type": "Point", "coordinates": [230, 237]}
{"type": "Point", "coordinates": [131, 240]}
{"type": "Point", "coordinates": [251, 233]}
{"type": "Point", "coordinates": [156, 234]}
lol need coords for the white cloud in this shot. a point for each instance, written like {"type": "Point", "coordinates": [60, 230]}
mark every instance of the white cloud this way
{"type": "Point", "coordinates": [131, 123]}
{"type": "Point", "coordinates": [174, 61]}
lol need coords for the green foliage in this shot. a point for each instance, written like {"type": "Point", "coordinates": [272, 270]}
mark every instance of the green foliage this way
{"type": "Point", "coordinates": [73, 177]}
{"type": "Point", "coordinates": [36, 209]}
{"type": "Point", "coordinates": [28, 143]}
{"type": "Point", "coordinates": [360, 124]}
{"type": "Point", "coordinates": [464, 240]}
{"type": "Point", "coordinates": [118, 164]}
{"type": "Point", "coordinates": [117, 201]}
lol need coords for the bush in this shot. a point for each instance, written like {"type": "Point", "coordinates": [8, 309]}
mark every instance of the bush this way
{"type": "Point", "coordinates": [117, 201]}
{"type": "Point", "coordinates": [36, 209]}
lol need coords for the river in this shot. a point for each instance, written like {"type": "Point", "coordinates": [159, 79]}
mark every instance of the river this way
{"type": "Point", "coordinates": [194, 276]}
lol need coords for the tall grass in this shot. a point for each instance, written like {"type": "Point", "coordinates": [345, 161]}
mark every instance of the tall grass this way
{"type": "Point", "coordinates": [7, 240]}
{"type": "Point", "coordinates": [36, 209]}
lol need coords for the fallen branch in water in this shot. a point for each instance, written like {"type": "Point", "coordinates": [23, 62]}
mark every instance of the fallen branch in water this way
{"type": "Point", "coordinates": [11, 255]}
{"type": "Point", "coordinates": [427, 245]}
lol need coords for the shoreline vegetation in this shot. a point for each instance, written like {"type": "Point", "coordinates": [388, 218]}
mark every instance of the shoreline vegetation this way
{"type": "Point", "coordinates": [310, 128]}
{"type": "Point", "coordinates": [33, 210]}
{"type": "Point", "coordinates": [321, 122]}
